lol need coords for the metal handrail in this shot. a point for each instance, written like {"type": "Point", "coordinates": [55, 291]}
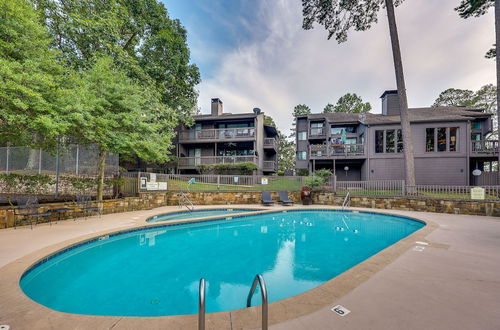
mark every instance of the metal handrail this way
{"type": "Point", "coordinates": [201, 305]}
{"type": "Point", "coordinates": [347, 201]}
{"type": "Point", "coordinates": [263, 291]}
{"type": "Point", "coordinates": [183, 200]}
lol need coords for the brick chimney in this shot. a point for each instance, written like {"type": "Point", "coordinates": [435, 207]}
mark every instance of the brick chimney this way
{"type": "Point", "coordinates": [390, 103]}
{"type": "Point", "coordinates": [216, 107]}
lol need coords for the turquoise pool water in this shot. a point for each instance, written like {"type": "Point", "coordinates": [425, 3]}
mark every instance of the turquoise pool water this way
{"type": "Point", "coordinates": [156, 271]}
{"type": "Point", "coordinates": [197, 214]}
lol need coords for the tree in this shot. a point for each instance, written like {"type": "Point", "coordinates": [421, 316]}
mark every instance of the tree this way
{"type": "Point", "coordinates": [137, 34]}
{"type": "Point", "coordinates": [453, 97]}
{"type": "Point", "coordinates": [484, 98]}
{"type": "Point", "coordinates": [32, 80]}
{"type": "Point", "coordinates": [349, 103]}
{"type": "Point", "coordinates": [469, 8]}
{"type": "Point", "coordinates": [119, 115]}
{"type": "Point", "coordinates": [338, 17]}
{"type": "Point", "coordinates": [329, 108]}
{"type": "Point", "coordinates": [286, 147]}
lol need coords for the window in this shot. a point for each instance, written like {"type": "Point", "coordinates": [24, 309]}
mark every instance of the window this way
{"type": "Point", "coordinates": [441, 139]}
{"type": "Point", "coordinates": [389, 140]}
{"type": "Point", "coordinates": [338, 130]}
{"type": "Point", "coordinates": [317, 128]}
{"type": "Point", "coordinates": [400, 141]}
{"type": "Point", "coordinates": [379, 141]}
{"type": "Point", "coordinates": [429, 139]}
{"type": "Point", "coordinates": [302, 155]}
{"type": "Point", "coordinates": [302, 136]}
{"type": "Point", "coordinates": [392, 143]}
{"type": "Point", "coordinates": [476, 125]}
{"type": "Point", "coordinates": [453, 138]}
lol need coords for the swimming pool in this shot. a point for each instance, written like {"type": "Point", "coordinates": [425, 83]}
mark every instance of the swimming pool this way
{"type": "Point", "coordinates": [155, 271]}
{"type": "Point", "coordinates": [181, 215]}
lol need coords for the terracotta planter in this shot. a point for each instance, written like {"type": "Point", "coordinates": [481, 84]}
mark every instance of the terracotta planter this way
{"type": "Point", "coordinates": [306, 195]}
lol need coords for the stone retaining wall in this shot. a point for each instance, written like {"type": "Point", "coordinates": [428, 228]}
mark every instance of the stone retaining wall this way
{"type": "Point", "coordinates": [147, 201]}
{"type": "Point", "coordinates": [414, 204]}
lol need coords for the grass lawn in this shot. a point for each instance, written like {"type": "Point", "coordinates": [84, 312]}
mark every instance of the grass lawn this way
{"type": "Point", "coordinates": [278, 183]}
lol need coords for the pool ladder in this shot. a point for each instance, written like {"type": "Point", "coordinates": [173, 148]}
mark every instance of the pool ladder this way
{"type": "Point", "coordinates": [185, 201]}
{"type": "Point", "coordinates": [347, 201]}
{"type": "Point", "coordinates": [259, 279]}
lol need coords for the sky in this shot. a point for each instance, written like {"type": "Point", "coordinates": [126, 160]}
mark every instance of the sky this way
{"type": "Point", "coordinates": [254, 53]}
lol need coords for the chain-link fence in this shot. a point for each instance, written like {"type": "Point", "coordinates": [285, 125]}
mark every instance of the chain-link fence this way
{"type": "Point", "coordinates": [72, 159]}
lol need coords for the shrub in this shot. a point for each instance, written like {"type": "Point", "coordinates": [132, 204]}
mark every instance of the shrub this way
{"type": "Point", "coordinates": [31, 184]}
{"type": "Point", "coordinates": [314, 180]}
{"type": "Point", "coordinates": [302, 172]}
{"type": "Point", "coordinates": [323, 173]}
{"type": "Point", "coordinates": [244, 168]}
{"type": "Point", "coordinates": [280, 173]}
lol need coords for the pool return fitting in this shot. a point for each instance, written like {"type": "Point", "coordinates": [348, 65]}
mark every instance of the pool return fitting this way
{"type": "Point", "coordinates": [259, 279]}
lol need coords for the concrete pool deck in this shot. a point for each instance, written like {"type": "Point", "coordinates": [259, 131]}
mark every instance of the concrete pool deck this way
{"type": "Point", "coordinates": [451, 283]}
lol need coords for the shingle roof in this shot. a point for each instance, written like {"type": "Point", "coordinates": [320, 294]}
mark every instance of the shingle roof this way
{"type": "Point", "coordinates": [437, 114]}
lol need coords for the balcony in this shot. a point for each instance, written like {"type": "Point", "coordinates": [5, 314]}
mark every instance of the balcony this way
{"type": "Point", "coordinates": [269, 165]}
{"type": "Point", "coordinates": [324, 151]}
{"type": "Point", "coordinates": [192, 162]}
{"type": "Point", "coordinates": [270, 143]}
{"type": "Point", "coordinates": [217, 134]}
{"type": "Point", "coordinates": [484, 147]}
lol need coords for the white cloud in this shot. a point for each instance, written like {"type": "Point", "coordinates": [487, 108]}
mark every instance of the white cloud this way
{"type": "Point", "coordinates": [286, 66]}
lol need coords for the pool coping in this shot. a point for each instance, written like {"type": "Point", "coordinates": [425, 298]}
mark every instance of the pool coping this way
{"type": "Point", "coordinates": [32, 313]}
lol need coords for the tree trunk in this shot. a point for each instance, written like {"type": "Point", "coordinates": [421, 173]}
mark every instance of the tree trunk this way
{"type": "Point", "coordinates": [100, 170]}
{"type": "Point", "coordinates": [403, 101]}
{"type": "Point", "coordinates": [497, 32]}
{"type": "Point", "coordinates": [33, 158]}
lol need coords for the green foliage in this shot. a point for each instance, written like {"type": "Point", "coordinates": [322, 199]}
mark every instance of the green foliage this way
{"type": "Point", "coordinates": [314, 180]}
{"type": "Point", "coordinates": [243, 168]}
{"type": "Point", "coordinates": [484, 98]}
{"type": "Point", "coordinates": [286, 153]}
{"type": "Point", "coordinates": [82, 184]}
{"type": "Point", "coordinates": [302, 172]}
{"type": "Point", "coordinates": [268, 120]}
{"type": "Point", "coordinates": [280, 173]}
{"type": "Point", "coordinates": [455, 97]}
{"type": "Point", "coordinates": [301, 109]}
{"type": "Point", "coordinates": [27, 184]}
{"type": "Point", "coordinates": [468, 8]}
{"type": "Point", "coordinates": [492, 53]}
{"type": "Point", "coordinates": [339, 16]}
{"type": "Point", "coordinates": [329, 108]}
{"type": "Point", "coordinates": [120, 115]}
{"type": "Point", "coordinates": [476, 8]}
{"type": "Point", "coordinates": [138, 35]}
{"type": "Point", "coordinates": [349, 103]}
{"type": "Point", "coordinates": [323, 173]}
{"type": "Point", "coordinates": [31, 79]}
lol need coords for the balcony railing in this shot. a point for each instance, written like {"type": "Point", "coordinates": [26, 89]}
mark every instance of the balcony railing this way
{"type": "Point", "coordinates": [270, 142]}
{"type": "Point", "coordinates": [489, 147]}
{"type": "Point", "coordinates": [269, 165]}
{"type": "Point", "coordinates": [218, 134]}
{"type": "Point", "coordinates": [210, 160]}
{"type": "Point", "coordinates": [345, 150]}
{"type": "Point", "coordinates": [317, 132]}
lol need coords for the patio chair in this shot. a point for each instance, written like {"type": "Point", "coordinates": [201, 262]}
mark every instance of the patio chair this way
{"type": "Point", "coordinates": [60, 210]}
{"type": "Point", "coordinates": [283, 198]}
{"type": "Point", "coordinates": [266, 198]}
{"type": "Point", "coordinates": [28, 209]}
{"type": "Point", "coordinates": [84, 204]}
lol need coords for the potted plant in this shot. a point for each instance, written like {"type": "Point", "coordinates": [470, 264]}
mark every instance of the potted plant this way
{"type": "Point", "coordinates": [311, 182]}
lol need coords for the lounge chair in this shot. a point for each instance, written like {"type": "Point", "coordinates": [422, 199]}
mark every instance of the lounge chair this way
{"type": "Point", "coordinates": [266, 198]}
{"type": "Point", "coordinates": [283, 194]}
